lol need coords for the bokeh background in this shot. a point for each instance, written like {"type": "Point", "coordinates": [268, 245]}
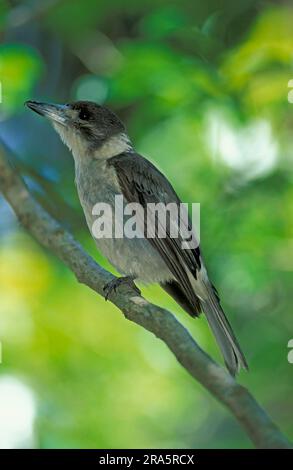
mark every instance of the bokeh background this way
{"type": "Point", "coordinates": [204, 88]}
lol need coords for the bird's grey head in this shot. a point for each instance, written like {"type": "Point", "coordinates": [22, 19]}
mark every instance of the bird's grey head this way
{"type": "Point", "coordinates": [87, 128]}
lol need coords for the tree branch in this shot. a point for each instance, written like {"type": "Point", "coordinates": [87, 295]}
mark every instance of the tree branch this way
{"type": "Point", "coordinates": [49, 233]}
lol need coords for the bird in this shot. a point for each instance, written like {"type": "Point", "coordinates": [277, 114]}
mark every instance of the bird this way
{"type": "Point", "coordinates": [106, 166]}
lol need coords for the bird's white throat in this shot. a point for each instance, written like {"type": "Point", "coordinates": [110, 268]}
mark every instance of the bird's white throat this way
{"type": "Point", "coordinates": [79, 146]}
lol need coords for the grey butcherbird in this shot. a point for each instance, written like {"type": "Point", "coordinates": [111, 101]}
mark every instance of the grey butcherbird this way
{"type": "Point", "coordinates": [106, 165]}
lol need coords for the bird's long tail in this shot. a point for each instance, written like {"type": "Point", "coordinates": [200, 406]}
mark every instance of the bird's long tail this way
{"type": "Point", "coordinates": [207, 301]}
{"type": "Point", "coordinates": [220, 326]}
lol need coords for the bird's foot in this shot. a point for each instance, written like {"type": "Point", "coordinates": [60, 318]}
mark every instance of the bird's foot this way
{"type": "Point", "coordinates": [115, 283]}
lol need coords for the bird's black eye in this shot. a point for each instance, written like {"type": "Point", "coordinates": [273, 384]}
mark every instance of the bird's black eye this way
{"type": "Point", "coordinates": [84, 115]}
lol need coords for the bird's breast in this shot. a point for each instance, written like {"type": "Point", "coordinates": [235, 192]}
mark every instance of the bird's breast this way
{"type": "Point", "coordinates": [98, 186]}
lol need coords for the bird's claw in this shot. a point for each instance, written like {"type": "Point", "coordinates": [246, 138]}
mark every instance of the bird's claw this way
{"type": "Point", "coordinates": [115, 283]}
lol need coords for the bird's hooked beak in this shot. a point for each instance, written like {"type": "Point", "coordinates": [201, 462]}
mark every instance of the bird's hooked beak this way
{"type": "Point", "coordinates": [54, 112]}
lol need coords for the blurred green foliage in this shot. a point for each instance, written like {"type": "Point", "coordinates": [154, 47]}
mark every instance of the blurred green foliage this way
{"type": "Point", "coordinates": [20, 68]}
{"type": "Point", "coordinates": [203, 88]}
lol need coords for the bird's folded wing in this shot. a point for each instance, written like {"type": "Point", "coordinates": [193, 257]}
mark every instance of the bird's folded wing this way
{"type": "Point", "coordinates": [141, 182]}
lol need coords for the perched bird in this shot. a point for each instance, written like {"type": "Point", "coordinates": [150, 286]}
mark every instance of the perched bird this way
{"type": "Point", "coordinates": [106, 165]}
